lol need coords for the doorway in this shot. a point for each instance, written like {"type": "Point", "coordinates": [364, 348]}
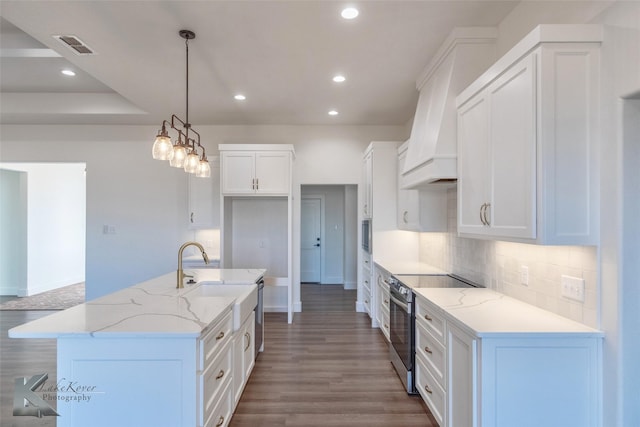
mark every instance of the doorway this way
{"type": "Point", "coordinates": [328, 235]}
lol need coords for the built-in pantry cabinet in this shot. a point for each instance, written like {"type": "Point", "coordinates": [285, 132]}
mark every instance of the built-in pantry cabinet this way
{"type": "Point", "coordinates": [527, 141]}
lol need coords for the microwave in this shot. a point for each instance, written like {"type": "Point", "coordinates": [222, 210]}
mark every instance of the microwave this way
{"type": "Point", "coordinates": [366, 235]}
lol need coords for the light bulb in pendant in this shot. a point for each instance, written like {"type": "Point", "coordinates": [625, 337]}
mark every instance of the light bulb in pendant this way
{"type": "Point", "coordinates": [162, 147]}
{"type": "Point", "coordinates": [191, 163]}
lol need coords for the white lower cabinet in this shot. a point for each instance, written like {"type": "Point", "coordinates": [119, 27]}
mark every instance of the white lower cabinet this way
{"type": "Point", "coordinates": [243, 356]}
{"type": "Point", "coordinates": [505, 376]}
{"type": "Point", "coordinates": [382, 300]}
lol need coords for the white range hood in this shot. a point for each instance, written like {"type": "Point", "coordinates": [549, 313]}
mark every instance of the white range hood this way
{"type": "Point", "coordinates": [432, 152]}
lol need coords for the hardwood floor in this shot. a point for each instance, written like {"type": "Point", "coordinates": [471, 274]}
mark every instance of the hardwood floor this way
{"type": "Point", "coordinates": [328, 368]}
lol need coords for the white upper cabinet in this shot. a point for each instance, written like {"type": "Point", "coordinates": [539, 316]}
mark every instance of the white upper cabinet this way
{"type": "Point", "coordinates": [204, 199]}
{"type": "Point", "coordinates": [367, 207]}
{"type": "Point", "coordinates": [420, 210]}
{"type": "Point", "coordinates": [527, 139]}
{"type": "Point", "coordinates": [256, 170]}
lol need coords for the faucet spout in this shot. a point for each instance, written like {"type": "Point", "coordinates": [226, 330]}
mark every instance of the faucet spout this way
{"type": "Point", "coordinates": [181, 274]}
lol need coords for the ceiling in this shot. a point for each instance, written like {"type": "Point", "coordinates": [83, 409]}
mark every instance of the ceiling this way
{"type": "Point", "coordinates": [281, 54]}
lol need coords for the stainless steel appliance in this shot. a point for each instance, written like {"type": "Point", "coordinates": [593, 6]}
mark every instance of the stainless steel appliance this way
{"type": "Point", "coordinates": [402, 318]}
{"type": "Point", "coordinates": [259, 332]}
{"type": "Point", "coordinates": [366, 235]}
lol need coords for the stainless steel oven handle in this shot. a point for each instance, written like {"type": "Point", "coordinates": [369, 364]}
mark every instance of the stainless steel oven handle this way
{"type": "Point", "coordinates": [403, 305]}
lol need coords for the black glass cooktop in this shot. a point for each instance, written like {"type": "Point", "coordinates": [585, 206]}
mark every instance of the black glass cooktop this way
{"type": "Point", "coordinates": [434, 281]}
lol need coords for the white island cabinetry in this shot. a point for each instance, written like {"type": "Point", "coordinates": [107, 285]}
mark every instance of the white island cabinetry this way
{"type": "Point", "coordinates": [164, 357]}
{"type": "Point", "coordinates": [486, 360]}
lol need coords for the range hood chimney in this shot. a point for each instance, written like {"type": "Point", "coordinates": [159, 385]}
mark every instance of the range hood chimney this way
{"type": "Point", "coordinates": [432, 151]}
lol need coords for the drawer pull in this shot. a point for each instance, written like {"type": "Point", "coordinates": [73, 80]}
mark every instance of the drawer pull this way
{"type": "Point", "coordinates": [220, 374]}
{"type": "Point", "coordinates": [428, 350]}
{"type": "Point", "coordinates": [427, 389]}
{"type": "Point", "coordinates": [386, 302]}
{"type": "Point", "coordinates": [220, 336]}
{"type": "Point", "coordinates": [429, 318]}
{"type": "Point", "coordinates": [220, 422]}
{"type": "Point", "coordinates": [386, 326]}
{"type": "Point", "coordinates": [247, 335]}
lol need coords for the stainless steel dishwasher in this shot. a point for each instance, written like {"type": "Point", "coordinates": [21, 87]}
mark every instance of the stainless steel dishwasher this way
{"type": "Point", "coordinates": [259, 332]}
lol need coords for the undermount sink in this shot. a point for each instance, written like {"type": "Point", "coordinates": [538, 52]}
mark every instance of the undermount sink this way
{"type": "Point", "coordinates": [246, 298]}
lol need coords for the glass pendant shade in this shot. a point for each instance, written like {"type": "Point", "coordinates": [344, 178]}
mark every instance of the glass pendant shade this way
{"type": "Point", "coordinates": [192, 163]}
{"type": "Point", "coordinates": [162, 147]}
{"type": "Point", "coordinates": [179, 155]}
{"type": "Point", "coordinates": [204, 170]}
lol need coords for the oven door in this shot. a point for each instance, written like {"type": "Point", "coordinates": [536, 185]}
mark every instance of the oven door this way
{"type": "Point", "coordinates": [400, 332]}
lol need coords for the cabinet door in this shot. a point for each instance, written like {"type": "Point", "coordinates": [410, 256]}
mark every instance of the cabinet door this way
{"type": "Point", "coordinates": [512, 209]}
{"type": "Point", "coordinates": [272, 172]}
{"type": "Point", "coordinates": [408, 201]}
{"type": "Point", "coordinates": [462, 374]}
{"type": "Point", "coordinates": [238, 169]}
{"type": "Point", "coordinates": [204, 199]}
{"type": "Point", "coordinates": [473, 164]}
{"type": "Point", "coordinates": [367, 209]}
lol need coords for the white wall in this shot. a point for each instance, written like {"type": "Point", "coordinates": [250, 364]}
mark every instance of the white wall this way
{"type": "Point", "coordinates": [13, 232]}
{"type": "Point", "coordinates": [55, 225]}
{"type": "Point", "coordinates": [146, 200]}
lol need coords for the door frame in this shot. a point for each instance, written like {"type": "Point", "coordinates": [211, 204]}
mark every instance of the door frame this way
{"type": "Point", "coordinates": [322, 236]}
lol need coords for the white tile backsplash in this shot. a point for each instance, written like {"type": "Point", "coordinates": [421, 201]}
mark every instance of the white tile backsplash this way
{"type": "Point", "coordinates": [496, 265]}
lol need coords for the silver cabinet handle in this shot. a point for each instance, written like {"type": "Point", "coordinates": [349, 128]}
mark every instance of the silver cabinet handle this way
{"type": "Point", "coordinates": [247, 335]}
{"type": "Point", "coordinates": [486, 220]}
{"type": "Point", "coordinates": [404, 217]}
{"type": "Point", "coordinates": [481, 218]}
{"type": "Point", "coordinates": [191, 217]}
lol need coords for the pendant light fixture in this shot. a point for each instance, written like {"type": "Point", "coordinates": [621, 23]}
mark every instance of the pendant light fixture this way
{"type": "Point", "coordinates": [184, 153]}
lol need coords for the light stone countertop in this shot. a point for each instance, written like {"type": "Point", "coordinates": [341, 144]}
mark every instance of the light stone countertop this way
{"type": "Point", "coordinates": [154, 308]}
{"type": "Point", "coordinates": [487, 313]}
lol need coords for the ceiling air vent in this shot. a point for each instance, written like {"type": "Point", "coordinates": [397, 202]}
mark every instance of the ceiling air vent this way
{"type": "Point", "coordinates": [75, 44]}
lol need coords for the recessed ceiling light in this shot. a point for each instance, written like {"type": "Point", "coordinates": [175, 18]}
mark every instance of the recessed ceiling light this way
{"type": "Point", "coordinates": [333, 113]}
{"type": "Point", "coordinates": [349, 13]}
{"type": "Point", "coordinates": [239, 97]}
{"type": "Point", "coordinates": [67, 72]}
{"type": "Point", "coordinates": [339, 78]}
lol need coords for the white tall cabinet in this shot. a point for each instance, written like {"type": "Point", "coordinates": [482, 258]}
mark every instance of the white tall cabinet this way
{"type": "Point", "coordinates": [257, 216]}
{"type": "Point", "coordinates": [527, 139]}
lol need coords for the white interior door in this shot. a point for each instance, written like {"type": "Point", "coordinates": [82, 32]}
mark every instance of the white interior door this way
{"type": "Point", "coordinates": [310, 244]}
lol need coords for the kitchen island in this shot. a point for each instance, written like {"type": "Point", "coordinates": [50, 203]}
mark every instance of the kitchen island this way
{"type": "Point", "coordinates": [150, 354]}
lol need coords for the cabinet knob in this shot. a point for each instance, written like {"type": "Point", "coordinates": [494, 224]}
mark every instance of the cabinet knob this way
{"type": "Point", "coordinates": [220, 336]}
{"type": "Point", "coordinates": [220, 374]}
{"type": "Point", "coordinates": [220, 422]}
{"type": "Point", "coordinates": [428, 350]}
{"type": "Point", "coordinates": [427, 389]}
{"type": "Point", "coordinates": [427, 317]}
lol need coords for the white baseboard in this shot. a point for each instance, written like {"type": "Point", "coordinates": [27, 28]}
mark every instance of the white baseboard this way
{"type": "Point", "coordinates": [350, 285]}
{"type": "Point", "coordinates": [275, 309]}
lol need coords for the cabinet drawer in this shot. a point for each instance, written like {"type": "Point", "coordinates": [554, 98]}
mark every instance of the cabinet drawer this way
{"type": "Point", "coordinates": [366, 298]}
{"type": "Point", "coordinates": [432, 352]}
{"type": "Point", "coordinates": [430, 390]}
{"type": "Point", "coordinates": [214, 379]}
{"type": "Point", "coordinates": [385, 324]}
{"type": "Point", "coordinates": [214, 340]}
{"type": "Point", "coordinates": [222, 413]}
{"type": "Point", "coordinates": [433, 321]}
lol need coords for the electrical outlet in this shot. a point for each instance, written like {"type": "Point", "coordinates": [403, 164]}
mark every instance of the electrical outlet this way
{"type": "Point", "coordinates": [572, 288]}
{"type": "Point", "coordinates": [524, 275]}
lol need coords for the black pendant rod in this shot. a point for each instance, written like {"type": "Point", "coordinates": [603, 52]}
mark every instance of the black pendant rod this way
{"type": "Point", "coordinates": [187, 35]}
